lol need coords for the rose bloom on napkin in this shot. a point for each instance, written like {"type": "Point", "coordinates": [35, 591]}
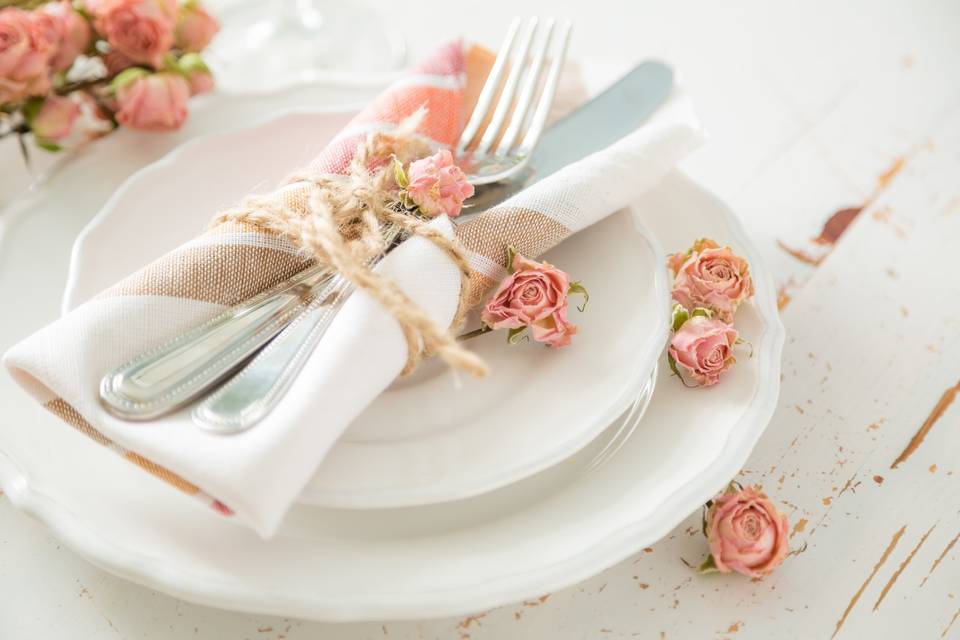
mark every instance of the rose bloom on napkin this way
{"type": "Point", "coordinates": [258, 474]}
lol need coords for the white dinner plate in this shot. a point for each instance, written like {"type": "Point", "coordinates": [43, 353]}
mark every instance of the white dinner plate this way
{"type": "Point", "coordinates": [424, 440]}
{"type": "Point", "coordinates": [543, 533]}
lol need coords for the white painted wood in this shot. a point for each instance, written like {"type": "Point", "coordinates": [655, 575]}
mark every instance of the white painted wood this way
{"type": "Point", "coordinates": [813, 107]}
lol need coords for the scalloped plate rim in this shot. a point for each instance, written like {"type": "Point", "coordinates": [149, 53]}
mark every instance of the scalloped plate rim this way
{"type": "Point", "coordinates": [615, 546]}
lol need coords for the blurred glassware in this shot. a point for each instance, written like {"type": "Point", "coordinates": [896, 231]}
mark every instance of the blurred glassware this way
{"type": "Point", "coordinates": [267, 44]}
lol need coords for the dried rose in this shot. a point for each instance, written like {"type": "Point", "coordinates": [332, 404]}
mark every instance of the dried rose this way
{"type": "Point", "coordinates": [67, 30]}
{"type": "Point", "coordinates": [711, 276]}
{"type": "Point", "coordinates": [746, 533]}
{"type": "Point", "coordinates": [534, 295]}
{"type": "Point", "coordinates": [142, 30]}
{"type": "Point", "coordinates": [151, 101]}
{"type": "Point", "coordinates": [701, 347]}
{"type": "Point", "coordinates": [54, 121]}
{"type": "Point", "coordinates": [26, 49]}
{"type": "Point", "coordinates": [194, 28]}
{"type": "Point", "coordinates": [436, 185]}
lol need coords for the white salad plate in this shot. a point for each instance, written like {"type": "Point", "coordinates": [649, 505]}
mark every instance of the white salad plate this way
{"type": "Point", "coordinates": [542, 533]}
{"type": "Point", "coordinates": [434, 437]}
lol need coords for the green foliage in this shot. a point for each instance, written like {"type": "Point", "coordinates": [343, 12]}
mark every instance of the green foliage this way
{"type": "Point", "coordinates": [511, 254]}
{"type": "Point", "coordinates": [515, 336]}
{"type": "Point", "coordinates": [680, 315]}
{"type": "Point", "coordinates": [578, 288]}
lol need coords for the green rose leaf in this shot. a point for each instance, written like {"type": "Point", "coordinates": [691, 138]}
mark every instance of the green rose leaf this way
{"type": "Point", "coordinates": [680, 315]}
{"type": "Point", "coordinates": [733, 487]}
{"type": "Point", "coordinates": [514, 336]}
{"type": "Point", "coordinates": [125, 77]}
{"type": "Point", "coordinates": [31, 108]}
{"type": "Point", "coordinates": [708, 566]}
{"type": "Point", "coordinates": [702, 311]}
{"type": "Point", "coordinates": [511, 254]}
{"type": "Point", "coordinates": [191, 63]}
{"type": "Point", "coordinates": [673, 366]}
{"type": "Point", "coordinates": [399, 175]}
{"type": "Point", "coordinates": [577, 287]}
{"type": "Point", "coordinates": [48, 145]}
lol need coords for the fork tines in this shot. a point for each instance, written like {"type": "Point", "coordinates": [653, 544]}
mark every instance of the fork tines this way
{"type": "Point", "coordinates": [506, 111]}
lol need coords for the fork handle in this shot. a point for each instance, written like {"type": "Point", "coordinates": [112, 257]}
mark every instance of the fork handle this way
{"type": "Point", "coordinates": [167, 377]}
{"type": "Point", "coordinates": [251, 394]}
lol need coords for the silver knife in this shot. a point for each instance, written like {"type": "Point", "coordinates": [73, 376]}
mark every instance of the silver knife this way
{"type": "Point", "coordinates": [253, 392]}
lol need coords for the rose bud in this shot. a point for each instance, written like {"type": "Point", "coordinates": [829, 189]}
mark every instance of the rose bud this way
{"type": "Point", "coordinates": [25, 53]}
{"type": "Point", "coordinates": [437, 185]}
{"type": "Point", "coordinates": [746, 533]}
{"type": "Point", "coordinates": [711, 277]}
{"type": "Point", "coordinates": [197, 73]}
{"type": "Point", "coordinates": [151, 101]}
{"type": "Point", "coordinates": [534, 295]}
{"type": "Point", "coordinates": [195, 28]}
{"type": "Point", "coordinates": [54, 121]}
{"type": "Point", "coordinates": [142, 30]}
{"type": "Point", "coordinates": [68, 30]}
{"type": "Point", "coordinates": [702, 348]}
{"type": "Point", "coordinates": [66, 122]}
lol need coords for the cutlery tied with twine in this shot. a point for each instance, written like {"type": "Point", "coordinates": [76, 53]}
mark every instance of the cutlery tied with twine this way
{"type": "Point", "coordinates": [345, 229]}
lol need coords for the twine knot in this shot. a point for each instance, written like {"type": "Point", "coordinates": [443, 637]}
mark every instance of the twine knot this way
{"type": "Point", "coordinates": [352, 219]}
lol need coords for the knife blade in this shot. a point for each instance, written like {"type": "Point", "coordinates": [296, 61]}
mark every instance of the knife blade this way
{"type": "Point", "coordinates": [593, 126]}
{"type": "Point", "coordinates": [253, 392]}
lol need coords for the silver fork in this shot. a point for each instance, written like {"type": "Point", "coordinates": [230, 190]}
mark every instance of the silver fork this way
{"type": "Point", "coordinates": [293, 317]}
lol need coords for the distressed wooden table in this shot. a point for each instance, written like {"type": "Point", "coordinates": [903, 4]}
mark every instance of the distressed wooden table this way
{"type": "Point", "coordinates": [836, 136]}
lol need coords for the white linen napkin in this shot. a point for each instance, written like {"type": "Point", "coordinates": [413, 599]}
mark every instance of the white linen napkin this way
{"type": "Point", "coordinates": [259, 473]}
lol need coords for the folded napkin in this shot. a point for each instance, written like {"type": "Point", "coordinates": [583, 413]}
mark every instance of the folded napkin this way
{"type": "Point", "coordinates": [258, 474]}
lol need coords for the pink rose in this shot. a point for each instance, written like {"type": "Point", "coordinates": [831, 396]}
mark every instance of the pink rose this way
{"type": "Point", "coordinates": [152, 102]}
{"type": "Point", "coordinates": [534, 291]}
{"type": "Point", "coordinates": [746, 533]}
{"type": "Point", "coordinates": [67, 29]}
{"type": "Point", "coordinates": [195, 28]}
{"type": "Point", "coordinates": [534, 295]}
{"type": "Point", "coordinates": [140, 29]}
{"type": "Point", "coordinates": [437, 185]}
{"type": "Point", "coordinates": [25, 53]}
{"type": "Point", "coordinates": [55, 120]}
{"type": "Point", "coordinates": [711, 277]}
{"type": "Point", "coordinates": [703, 349]}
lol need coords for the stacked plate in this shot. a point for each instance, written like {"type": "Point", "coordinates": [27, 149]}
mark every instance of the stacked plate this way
{"type": "Point", "coordinates": [446, 496]}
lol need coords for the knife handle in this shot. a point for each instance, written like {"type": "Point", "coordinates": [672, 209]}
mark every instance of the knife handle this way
{"type": "Point", "coordinates": [167, 377]}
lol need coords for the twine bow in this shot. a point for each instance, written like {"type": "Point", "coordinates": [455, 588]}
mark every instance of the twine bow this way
{"type": "Point", "coordinates": [347, 228]}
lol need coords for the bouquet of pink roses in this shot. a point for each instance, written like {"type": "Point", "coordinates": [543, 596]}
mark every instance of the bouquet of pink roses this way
{"type": "Point", "coordinates": [72, 71]}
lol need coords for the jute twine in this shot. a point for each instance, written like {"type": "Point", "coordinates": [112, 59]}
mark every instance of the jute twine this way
{"type": "Point", "coordinates": [347, 228]}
